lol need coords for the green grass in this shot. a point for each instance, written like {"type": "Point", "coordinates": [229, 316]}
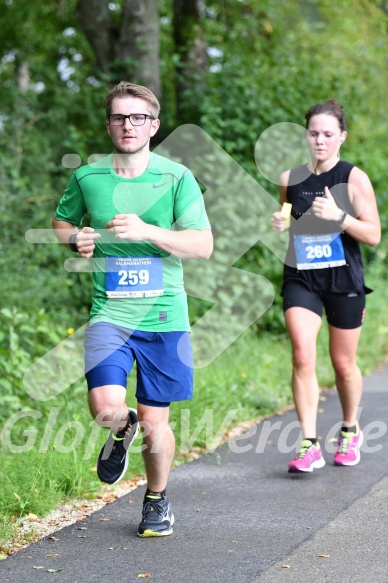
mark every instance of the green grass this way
{"type": "Point", "coordinates": [249, 380]}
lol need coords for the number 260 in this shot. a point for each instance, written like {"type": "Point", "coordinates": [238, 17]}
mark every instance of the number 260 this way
{"type": "Point", "coordinates": [318, 251]}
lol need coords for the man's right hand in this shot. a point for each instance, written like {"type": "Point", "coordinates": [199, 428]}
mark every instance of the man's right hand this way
{"type": "Point", "coordinates": [85, 242]}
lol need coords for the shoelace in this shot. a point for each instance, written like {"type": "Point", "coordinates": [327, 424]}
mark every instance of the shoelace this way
{"type": "Point", "coordinates": [154, 504]}
{"type": "Point", "coordinates": [123, 433]}
{"type": "Point", "coordinates": [345, 442]}
{"type": "Point", "coordinates": [302, 451]}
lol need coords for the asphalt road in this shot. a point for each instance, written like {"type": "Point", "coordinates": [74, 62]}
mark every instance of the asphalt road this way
{"type": "Point", "coordinates": [240, 517]}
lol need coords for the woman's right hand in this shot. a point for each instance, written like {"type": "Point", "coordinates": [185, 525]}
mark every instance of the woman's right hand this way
{"type": "Point", "coordinates": [278, 224]}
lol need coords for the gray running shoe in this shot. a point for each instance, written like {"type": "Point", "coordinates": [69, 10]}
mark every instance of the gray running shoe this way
{"type": "Point", "coordinates": [157, 517]}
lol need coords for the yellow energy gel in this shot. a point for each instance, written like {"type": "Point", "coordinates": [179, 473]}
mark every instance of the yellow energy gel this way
{"type": "Point", "coordinates": [286, 213]}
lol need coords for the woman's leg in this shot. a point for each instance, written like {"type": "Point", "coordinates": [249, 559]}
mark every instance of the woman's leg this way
{"type": "Point", "coordinates": [303, 326]}
{"type": "Point", "coordinates": [343, 350]}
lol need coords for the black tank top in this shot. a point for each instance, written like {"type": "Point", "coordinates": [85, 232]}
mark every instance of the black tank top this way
{"type": "Point", "coordinates": [347, 278]}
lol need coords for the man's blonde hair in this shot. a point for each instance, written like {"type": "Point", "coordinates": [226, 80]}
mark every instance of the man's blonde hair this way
{"type": "Point", "coordinates": [127, 89]}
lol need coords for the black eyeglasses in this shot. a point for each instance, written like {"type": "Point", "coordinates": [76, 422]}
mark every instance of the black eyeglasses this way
{"type": "Point", "coordinates": [136, 119]}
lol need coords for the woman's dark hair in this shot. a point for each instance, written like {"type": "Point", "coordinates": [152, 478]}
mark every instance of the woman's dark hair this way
{"type": "Point", "coordinates": [330, 107]}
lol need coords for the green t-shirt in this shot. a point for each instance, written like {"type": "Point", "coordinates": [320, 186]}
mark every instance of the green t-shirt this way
{"type": "Point", "coordinates": [135, 284]}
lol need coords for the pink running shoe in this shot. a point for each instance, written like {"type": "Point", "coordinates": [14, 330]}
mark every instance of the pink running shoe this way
{"type": "Point", "coordinates": [348, 452]}
{"type": "Point", "coordinates": [309, 457]}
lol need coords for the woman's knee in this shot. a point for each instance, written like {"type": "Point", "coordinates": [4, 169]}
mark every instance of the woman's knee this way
{"type": "Point", "coordinates": [344, 366]}
{"type": "Point", "coordinates": [303, 357]}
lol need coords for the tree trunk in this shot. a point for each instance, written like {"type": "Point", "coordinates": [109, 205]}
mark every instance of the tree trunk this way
{"type": "Point", "coordinates": [96, 21]}
{"type": "Point", "coordinates": [22, 74]}
{"type": "Point", "coordinates": [130, 50]}
{"type": "Point", "coordinates": [191, 47]}
{"type": "Point", "coordinates": [137, 49]}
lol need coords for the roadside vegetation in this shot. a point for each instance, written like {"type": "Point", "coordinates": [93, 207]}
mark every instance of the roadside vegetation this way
{"type": "Point", "coordinates": [257, 66]}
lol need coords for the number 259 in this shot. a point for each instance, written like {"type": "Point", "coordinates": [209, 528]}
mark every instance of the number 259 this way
{"type": "Point", "coordinates": [134, 277]}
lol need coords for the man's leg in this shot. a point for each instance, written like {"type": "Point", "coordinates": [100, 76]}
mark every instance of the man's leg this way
{"type": "Point", "coordinates": [158, 454]}
{"type": "Point", "coordinates": [108, 407]}
{"type": "Point", "coordinates": [159, 445]}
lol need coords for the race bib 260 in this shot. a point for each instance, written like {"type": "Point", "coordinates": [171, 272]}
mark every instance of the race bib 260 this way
{"type": "Point", "coordinates": [319, 251]}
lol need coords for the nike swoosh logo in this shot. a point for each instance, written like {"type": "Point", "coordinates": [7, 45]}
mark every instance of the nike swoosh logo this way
{"type": "Point", "coordinates": [159, 185]}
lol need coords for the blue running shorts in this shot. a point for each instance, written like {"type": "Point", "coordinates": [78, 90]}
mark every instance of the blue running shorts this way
{"type": "Point", "coordinates": [164, 362]}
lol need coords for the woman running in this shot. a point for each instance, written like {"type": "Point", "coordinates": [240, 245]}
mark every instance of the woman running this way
{"type": "Point", "coordinates": [334, 207]}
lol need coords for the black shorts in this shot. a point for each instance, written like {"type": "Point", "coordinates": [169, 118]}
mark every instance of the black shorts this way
{"type": "Point", "coordinates": [345, 311]}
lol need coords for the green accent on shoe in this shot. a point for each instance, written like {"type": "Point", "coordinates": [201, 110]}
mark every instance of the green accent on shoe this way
{"type": "Point", "coordinates": [305, 444]}
{"type": "Point", "coordinates": [112, 461]}
{"type": "Point", "coordinates": [157, 518]}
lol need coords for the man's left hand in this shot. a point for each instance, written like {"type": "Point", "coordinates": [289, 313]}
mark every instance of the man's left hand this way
{"type": "Point", "coordinates": [128, 227]}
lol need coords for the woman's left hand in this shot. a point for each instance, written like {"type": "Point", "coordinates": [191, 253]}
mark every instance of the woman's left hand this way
{"type": "Point", "coordinates": [324, 207]}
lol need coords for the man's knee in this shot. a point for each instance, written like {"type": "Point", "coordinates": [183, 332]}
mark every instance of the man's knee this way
{"type": "Point", "coordinates": [154, 422]}
{"type": "Point", "coordinates": [107, 404]}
